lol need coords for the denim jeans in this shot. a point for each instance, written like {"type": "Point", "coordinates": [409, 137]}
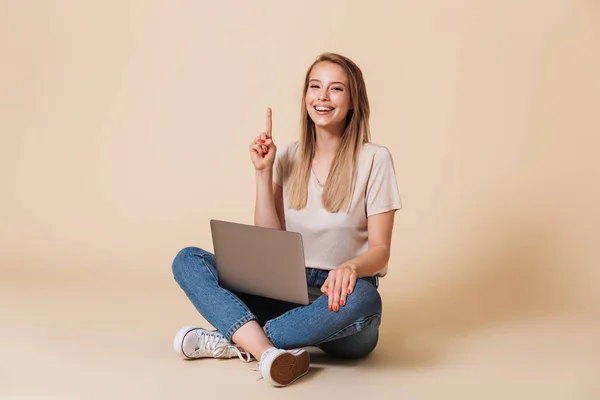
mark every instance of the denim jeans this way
{"type": "Point", "coordinates": [351, 332]}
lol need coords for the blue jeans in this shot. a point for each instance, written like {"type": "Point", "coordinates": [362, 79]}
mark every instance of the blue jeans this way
{"type": "Point", "coordinates": [352, 332]}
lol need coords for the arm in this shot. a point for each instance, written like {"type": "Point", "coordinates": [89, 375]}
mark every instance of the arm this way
{"type": "Point", "coordinates": [380, 228]}
{"type": "Point", "coordinates": [340, 282]}
{"type": "Point", "coordinates": [382, 200]}
{"type": "Point", "coordinates": [268, 201]}
{"type": "Point", "coordinates": [268, 207]}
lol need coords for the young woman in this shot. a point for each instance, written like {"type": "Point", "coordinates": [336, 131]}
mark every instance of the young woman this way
{"type": "Point", "coordinates": [339, 191]}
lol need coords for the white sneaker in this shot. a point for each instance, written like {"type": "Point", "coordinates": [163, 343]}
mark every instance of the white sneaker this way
{"type": "Point", "coordinates": [194, 342]}
{"type": "Point", "coordinates": [282, 367]}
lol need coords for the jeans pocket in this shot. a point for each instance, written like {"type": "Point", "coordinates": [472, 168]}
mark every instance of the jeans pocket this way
{"type": "Point", "coordinates": [319, 277]}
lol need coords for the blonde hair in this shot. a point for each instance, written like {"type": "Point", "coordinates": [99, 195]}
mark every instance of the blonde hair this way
{"type": "Point", "coordinates": [339, 187]}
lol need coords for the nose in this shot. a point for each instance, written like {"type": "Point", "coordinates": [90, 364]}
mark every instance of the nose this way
{"type": "Point", "coordinates": [323, 94]}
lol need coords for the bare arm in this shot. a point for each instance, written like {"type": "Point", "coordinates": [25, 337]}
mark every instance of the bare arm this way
{"type": "Point", "coordinates": [268, 206]}
{"type": "Point", "coordinates": [340, 281]}
{"type": "Point", "coordinates": [265, 208]}
{"type": "Point", "coordinates": [380, 228]}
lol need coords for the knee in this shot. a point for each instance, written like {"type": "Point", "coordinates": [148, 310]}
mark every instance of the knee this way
{"type": "Point", "coordinates": [353, 348]}
{"type": "Point", "coordinates": [369, 299]}
{"type": "Point", "coordinates": [361, 351]}
{"type": "Point", "coordinates": [181, 262]}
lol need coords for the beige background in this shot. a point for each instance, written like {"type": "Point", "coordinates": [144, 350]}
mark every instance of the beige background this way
{"type": "Point", "coordinates": [124, 130]}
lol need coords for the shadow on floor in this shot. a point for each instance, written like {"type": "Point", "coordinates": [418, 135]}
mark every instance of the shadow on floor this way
{"type": "Point", "coordinates": [507, 274]}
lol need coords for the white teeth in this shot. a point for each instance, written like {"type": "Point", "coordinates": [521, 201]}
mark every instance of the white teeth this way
{"type": "Point", "coordinates": [323, 108]}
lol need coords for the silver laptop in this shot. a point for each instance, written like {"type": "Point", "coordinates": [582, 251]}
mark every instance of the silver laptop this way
{"type": "Point", "coordinates": [260, 261]}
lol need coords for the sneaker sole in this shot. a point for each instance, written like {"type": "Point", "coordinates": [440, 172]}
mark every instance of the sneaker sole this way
{"type": "Point", "coordinates": [286, 368]}
{"type": "Point", "coordinates": [178, 341]}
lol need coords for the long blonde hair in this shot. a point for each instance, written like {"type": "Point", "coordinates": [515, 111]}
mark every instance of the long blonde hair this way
{"type": "Point", "coordinates": [339, 187]}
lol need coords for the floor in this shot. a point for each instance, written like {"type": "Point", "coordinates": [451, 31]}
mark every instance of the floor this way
{"type": "Point", "coordinates": [77, 335]}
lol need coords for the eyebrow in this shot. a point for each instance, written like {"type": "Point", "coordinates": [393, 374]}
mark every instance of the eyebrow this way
{"type": "Point", "coordinates": [340, 83]}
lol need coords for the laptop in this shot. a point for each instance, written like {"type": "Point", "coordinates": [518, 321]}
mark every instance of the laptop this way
{"type": "Point", "coordinates": [260, 261]}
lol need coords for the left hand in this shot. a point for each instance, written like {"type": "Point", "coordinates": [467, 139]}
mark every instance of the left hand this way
{"type": "Point", "coordinates": [339, 284]}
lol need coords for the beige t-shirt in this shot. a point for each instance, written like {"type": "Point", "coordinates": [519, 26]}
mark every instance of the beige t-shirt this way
{"type": "Point", "coordinates": [330, 239]}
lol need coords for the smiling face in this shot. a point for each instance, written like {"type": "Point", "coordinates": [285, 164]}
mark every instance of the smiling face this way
{"type": "Point", "coordinates": [327, 96]}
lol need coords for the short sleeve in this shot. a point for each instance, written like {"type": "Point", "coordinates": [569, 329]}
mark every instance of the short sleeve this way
{"type": "Point", "coordinates": [278, 167]}
{"type": "Point", "coordinates": [282, 163]}
{"type": "Point", "coordinates": [382, 188]}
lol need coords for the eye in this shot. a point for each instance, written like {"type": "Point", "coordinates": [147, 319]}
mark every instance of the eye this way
{"type": "Point", "coordinates": [314, 86]}
{"type": "Point", "coordinates": [338, 89]}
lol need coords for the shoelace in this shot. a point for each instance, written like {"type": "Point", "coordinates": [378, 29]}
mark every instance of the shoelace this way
{"type": "Point", "coordinates": [257, 368]}
{"type": "Point", "coordinates": [215, 345]}
{"type": "Point", "coordinates": [226, 350]}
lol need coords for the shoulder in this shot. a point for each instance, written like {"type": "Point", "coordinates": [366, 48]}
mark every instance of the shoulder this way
{"type": "Point", "coordinates": [375, 154]}
{"type": "Point", "coordinates": [287, 151]}
{"type": "Point", "coordinates": [288, 147]}
{"type": "Point", "coordinates": [285, 160]}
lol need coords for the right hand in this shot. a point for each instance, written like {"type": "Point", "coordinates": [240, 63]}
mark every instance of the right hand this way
{"type": "Point", "coordinates": [262, 148]}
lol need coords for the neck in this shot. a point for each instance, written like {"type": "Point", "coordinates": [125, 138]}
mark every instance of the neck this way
{"type": "Point", "coordinates": [328, 142]}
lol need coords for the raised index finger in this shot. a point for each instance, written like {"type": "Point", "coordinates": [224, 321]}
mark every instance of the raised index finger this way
{"type": "Point", "coordinates": [269, 122]}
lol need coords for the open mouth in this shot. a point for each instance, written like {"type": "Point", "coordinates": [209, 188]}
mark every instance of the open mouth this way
{"type": "Point", "coordinates": [323, 110]}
